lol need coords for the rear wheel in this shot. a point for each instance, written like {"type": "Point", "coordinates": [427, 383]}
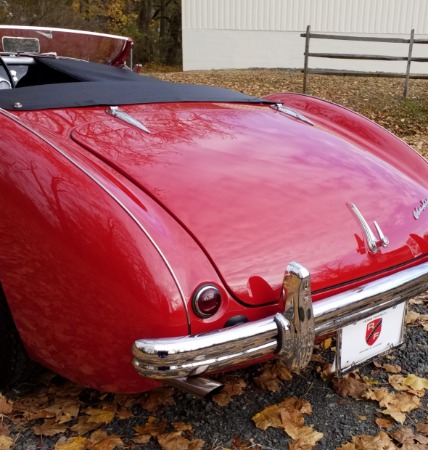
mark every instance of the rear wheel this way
{"type": "Point", "coordinates": [15, 366]}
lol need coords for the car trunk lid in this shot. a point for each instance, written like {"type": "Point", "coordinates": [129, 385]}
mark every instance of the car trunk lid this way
{"type": "Point", "coordinates": [258, 189]}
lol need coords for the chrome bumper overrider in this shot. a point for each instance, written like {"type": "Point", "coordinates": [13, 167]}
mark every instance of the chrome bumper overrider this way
{"type": "Point", "coordinates": [290, 335]}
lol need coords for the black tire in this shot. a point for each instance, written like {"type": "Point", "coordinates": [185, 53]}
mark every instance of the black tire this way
{"type": "Point", "coordinates": [14, 362]}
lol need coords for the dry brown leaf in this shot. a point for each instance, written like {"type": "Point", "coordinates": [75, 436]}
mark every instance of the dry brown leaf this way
{"type": "Point", "coordinates": [6, 406]}
{"type": "Point", "coordinates": [326, 371]}
{"type": "Point", "coordinates": [6, 443]}
{"type": "Point", "coordinates": [326, 343]}
{"type": "Point", "coordinates": [422, 428]}
{"type": "Point", "coordinates": [351, 385]}
{"type": "Point", "coordinates": [397, 382]}
{"type": "Point", "coordinates": [33, 406]}
{"type": "Point", "coordinates": [238, 444]}
{"type": "Point", "coordinates": [272, 375]}
{"type": "Point", "coordinates": [181, 426]}
{"type": "Point", "coordinates": [383, 423]}
{"type": "Point", "coordinates": [101, 415]}
{"type": "Point", "coordinates": [403, 435]}
{"type": "Point", "coordinates": [175, 441]}
{"type": "Point", "coordinates": [305, 438]}
{"type": "Point", "coordinates": [388, 367]}
{"type": "Point", "coordinates": [395, 404]}
{"type": "Point", "coordinates": [63, 410]}
{"type": "Point", "coordinates": [101, 440]}
{"type": "Point", "coordinates": [153, 427]}
{"type": "Point", "coordinates": [50, 427]}
{"type": "Point", "coordinates": [84, 426]}
{"type": "Point", "coordinates": [291, 409]}
{"type": "Point", "coordinates": [416, 383]}
{"type": "Point", "coordinates": [412, 317]}
{"type": "Point", "coordinates": [364, 442]}
{"type": "Point", "coordinates": [163, 396]}
{"type": "Point", "coordinates": [232, 387]}
{"type": "Point", "coordinates": [73, 443]}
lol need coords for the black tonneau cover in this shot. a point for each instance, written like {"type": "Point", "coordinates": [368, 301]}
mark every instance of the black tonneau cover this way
{"type": "Point", "coordinates": [101, 85]}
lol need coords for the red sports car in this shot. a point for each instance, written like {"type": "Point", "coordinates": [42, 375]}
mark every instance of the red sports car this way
{"type": "Point", "coordinates": [156, 232]}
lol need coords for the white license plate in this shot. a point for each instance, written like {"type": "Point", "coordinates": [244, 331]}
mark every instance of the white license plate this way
{"type": "Point", "coordinates": [361, 341]}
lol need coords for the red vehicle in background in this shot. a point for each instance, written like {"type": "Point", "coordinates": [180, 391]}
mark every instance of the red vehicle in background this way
{"type": "Point", "coordinates": [156, 232]}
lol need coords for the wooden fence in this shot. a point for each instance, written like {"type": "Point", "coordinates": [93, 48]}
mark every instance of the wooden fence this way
{"type": "Point", "coordinates": [409, 58]}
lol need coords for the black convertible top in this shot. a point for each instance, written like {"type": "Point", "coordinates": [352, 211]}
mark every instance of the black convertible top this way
{"type": "Point", "coordinates": [67, 83]}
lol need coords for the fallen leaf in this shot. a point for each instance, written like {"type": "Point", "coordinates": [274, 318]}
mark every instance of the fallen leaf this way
{"type": "Point", "coordinates": [272, 375]}
{"type": "Point", "coordinates": [6, 442]}
{"type": "Point", "coordinates": [415, 382]}
{"type": "Point", "coordinates": [351, 385]}
{"type": "Point", "coordinates": [83, 425]}
{"type": "Point", "coordinates": [73, 443]}
{"type": "Point", "coordinates": [175, 441]}
{"type": "Point", "coordinates": [304, 438]}
{"type": "Point", "coordinates": [395, 404]}
{"type": "Point", "coordinates": [49, 427]}
{"type": "Point", "coordinates": [422, 428]}
{"type": "Point", "coordinates": [291, 409]}
{"type": "Point", "coordinates": [101, 440]}
{"type": "Point", "coordinates": [364, 442]}
{"type": "Point", "coordinates": [153, 427]}
{"type": "Point", "coordinates": [388, 367]}
{"type": "Point", "coordinates": [101, 415]}
{"type": "Point", "coordinates": [383, 423]}
{"type": "Point", "coordinates": [152, 400]}
{"type": "Point", "coordinates": [326, 343]}
{"type": "Point", "coordinates": [6, 406]}
{"type": "Point", "coordinates": [232, 387]}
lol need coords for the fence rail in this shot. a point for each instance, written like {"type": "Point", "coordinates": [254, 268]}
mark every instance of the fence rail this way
{"type": "Point", "coordinates": [409, 58]}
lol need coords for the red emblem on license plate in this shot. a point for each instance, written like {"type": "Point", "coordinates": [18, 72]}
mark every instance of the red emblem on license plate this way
{"type": "Point", "coordinates": [373, 331]}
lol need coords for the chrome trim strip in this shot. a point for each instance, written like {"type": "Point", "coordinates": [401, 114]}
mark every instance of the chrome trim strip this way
{"type": "Point", "coordinates": [117, 113]}
{"type": "Point", "coordinates": [192, 355]}
{"type": "Point", "coordinates": [114, 197]}
{"type": "Point", "coordinates": [290, 112]}
{"type": "Point", "coordinates": [369, 298]}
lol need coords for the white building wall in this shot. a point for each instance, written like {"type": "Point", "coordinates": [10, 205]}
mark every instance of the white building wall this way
{"type": "Point", "coordinates": [224, 34]}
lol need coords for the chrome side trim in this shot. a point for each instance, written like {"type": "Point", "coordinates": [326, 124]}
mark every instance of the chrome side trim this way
{"type": "Point", "coordinates": [278, 334]}
{"type": "Point", "coordinates": [290, 112]}
{"type": "Point", "coordinates": [116, 112]}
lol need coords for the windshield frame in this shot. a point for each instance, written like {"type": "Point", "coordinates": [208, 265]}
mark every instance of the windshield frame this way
{"type": "Point", "coordinates": [86, 45]}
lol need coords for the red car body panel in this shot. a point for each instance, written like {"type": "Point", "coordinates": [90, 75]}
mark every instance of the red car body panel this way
{"type": "Point", "coordinates": [108, 229]}
{"type": "Point", "coordinates": [258, 189]}
{"type": "Point", "coordinates": [76, 272]}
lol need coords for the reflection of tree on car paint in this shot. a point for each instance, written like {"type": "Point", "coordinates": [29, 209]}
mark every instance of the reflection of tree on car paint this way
{"type": "Point", "coordinates": [172, 230]}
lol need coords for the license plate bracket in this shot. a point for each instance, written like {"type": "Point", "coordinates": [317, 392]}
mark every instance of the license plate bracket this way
{"type": "Point", "coordinates": [368, 338]}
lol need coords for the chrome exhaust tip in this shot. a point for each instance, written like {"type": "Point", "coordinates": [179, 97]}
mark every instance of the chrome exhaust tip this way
{"type": "Point", "coordinates": [199, 386]}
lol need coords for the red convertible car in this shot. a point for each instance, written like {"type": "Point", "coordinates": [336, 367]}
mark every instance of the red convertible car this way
{"type": "Point", "coordinates": [155, 232]}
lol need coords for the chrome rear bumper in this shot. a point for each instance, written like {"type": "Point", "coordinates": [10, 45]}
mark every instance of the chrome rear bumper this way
{"type": "Point", "coordinates": [289, 335]}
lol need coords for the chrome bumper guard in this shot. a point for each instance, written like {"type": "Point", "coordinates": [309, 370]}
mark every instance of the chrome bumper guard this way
{"type": "Point", "coordinates": [289, 335]}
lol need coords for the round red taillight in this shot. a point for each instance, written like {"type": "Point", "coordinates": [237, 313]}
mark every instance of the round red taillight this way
{"type": "Point", "coordinates": [206, 301]}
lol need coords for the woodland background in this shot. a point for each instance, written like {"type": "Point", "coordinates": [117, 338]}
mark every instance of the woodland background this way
{"type": "Point", "coordinates": [154, 25]}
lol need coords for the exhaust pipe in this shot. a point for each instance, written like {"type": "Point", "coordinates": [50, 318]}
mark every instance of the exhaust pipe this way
{"type": "Point", "coordinates": [199, 386]}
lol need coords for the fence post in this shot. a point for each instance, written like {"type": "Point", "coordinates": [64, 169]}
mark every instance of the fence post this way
{"type": "Point", "coordinates": [409, 61]}
{"type": "Point", "coordinates": [305, 71]}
